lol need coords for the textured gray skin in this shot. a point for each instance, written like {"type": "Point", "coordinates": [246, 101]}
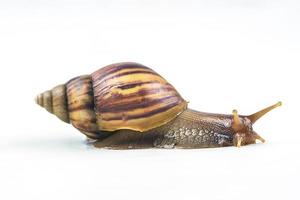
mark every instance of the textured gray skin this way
{"type": "Point", "coordinates": [191, 129]}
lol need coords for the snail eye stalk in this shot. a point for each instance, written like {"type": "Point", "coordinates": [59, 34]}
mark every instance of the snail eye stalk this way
{"type": "Point", "coordinates": [237, 124]}
{"type": "Point", "coordinates": [254, 117]}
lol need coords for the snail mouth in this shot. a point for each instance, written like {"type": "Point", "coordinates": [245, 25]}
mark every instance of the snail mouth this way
{"type": "Point", "coordinates": [240, 139]}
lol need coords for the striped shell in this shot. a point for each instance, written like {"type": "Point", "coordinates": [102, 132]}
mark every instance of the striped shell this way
{"type": "Point", "coordinates": [118, 96]}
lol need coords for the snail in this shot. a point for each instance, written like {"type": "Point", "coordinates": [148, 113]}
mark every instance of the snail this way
{"type": "Point", "coordinates": [128, 105]}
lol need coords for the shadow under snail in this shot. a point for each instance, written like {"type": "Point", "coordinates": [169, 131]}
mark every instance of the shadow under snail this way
{"type": "Point", "coordinates": [128, 105]}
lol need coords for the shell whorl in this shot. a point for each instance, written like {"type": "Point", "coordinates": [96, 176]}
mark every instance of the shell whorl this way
{"type": "Point", "coordinates": [81, 105]}
{"type": "Point", "coordinates": [73, 103]}
{"type": "Point", "coordinates": [133, 96]}
{"type": "Point", "coordinates": [55, 102]}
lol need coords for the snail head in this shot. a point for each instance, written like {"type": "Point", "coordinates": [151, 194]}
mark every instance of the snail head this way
{"type": "Point", "coordinates": [242, 126]}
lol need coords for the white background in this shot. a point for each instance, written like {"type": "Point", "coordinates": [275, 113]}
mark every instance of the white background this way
{"type": "Point", "coordinates": [220, 55]}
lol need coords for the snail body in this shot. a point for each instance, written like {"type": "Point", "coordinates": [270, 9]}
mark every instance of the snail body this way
{"type": "Point", "coordinates": [128, 105]}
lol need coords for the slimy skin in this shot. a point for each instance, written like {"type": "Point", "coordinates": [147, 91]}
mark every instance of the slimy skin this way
{"type": "Point", "coordinates": [191, 129]}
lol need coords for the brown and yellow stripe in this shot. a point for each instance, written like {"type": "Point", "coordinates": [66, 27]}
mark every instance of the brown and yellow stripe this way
{"type": "Point", "coordinates": [132, 96]}
{"type": "Point", "coordinates": [118, 96]}
{"type": "Point", "coordinates": [81, 105]}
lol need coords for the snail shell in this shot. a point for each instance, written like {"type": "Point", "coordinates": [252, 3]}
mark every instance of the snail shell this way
{"type": "Point", "coordinates": [119, 96]}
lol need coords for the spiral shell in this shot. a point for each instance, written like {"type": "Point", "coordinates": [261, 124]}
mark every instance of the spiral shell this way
{"type": "Point", "coordinates": [55, 101]}
{"type": "Point", "coordinates": [118, 96]}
